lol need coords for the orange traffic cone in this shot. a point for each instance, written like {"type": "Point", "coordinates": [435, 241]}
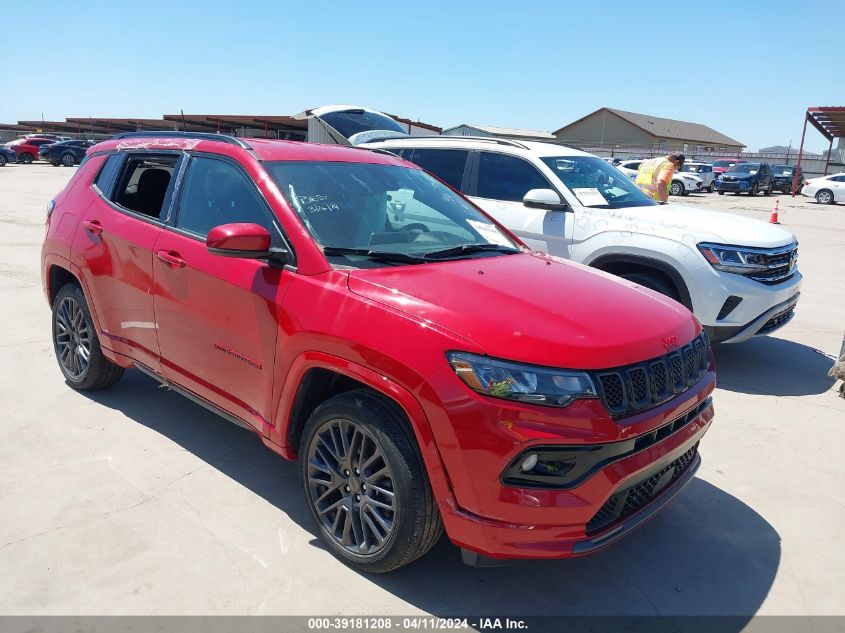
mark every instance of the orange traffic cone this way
{"type": "Point", "coordinates": [773, 219]}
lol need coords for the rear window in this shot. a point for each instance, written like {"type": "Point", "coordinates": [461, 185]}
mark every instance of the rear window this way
{"type": "Point", "coordinates": [351, 122]}
{"type": "Point", "coordinates": [143, 183]}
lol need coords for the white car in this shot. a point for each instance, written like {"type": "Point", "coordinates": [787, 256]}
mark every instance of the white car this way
{"type": "Point", "coordinates": [703, 171]}
{"type": "Point", "coordinates": [826, 189]}
{"type": "Point", "coordinates": [739, 276]}
{"type": "Point", "coordinates": [682, 182]}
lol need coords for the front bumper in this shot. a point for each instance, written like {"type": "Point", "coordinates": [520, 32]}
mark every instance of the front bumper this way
{"type": "Point", "coordinates": [740, 186]}
{"type": "Point", "coordinates": [503, 521]}
{"type": "Point", "coordinates": [771, 320]}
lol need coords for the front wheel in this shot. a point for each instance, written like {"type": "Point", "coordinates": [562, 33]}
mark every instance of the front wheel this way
{"type": "Point", "coordinates": [824, 196]}
{"type": "Point", "coordinates": [68, 160]}
{"type": "Point", "coordinates": [721, 193]}
{"type": "Point", "coordinates": [365, 483]}
{"type": "Point", "coordinates": [653, 281]}
{"type": "Point", "coordinates": [753, 190]}
{"type": "Point", "coordinates": [676, 189]}
{"type": "Point", "coordinates": [711, 188]}
{"type": "Point", "coordinates": [2, 160]}
{"type": "Point", "coordinates": [76, 344]}
{"type": "Point", "coordinates": [25, 158]}
{"type": "Point", "coordinates": [768, 191]}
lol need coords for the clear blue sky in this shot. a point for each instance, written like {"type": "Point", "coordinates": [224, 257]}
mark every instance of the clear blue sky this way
{"type": "Point", "coordinates": [509, 63]}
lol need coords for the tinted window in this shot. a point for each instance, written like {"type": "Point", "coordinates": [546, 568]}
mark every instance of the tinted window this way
{"type": "Point", "coordinates": [104, 181]}
{"type": "Point", "coordinates": [502, 177]}
{"type": "Point", "coordinates": [216, 192]}
{"type": "Point", "coordinates": [446, 164]}
{"type": "Point", "coordinates": [353, 121]}
{"type": "Point", "coordinates": [143, 183]}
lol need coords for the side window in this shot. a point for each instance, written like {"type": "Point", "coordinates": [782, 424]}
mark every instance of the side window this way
{"type": "Point", "coordinates": [446, 164]}
{"type": "Point", "coordinates": [216, 192]}
{"type": "Point", "coordinates": [104, 181]}
{"type": "Point", "coordinates": [502, 177]}
{"type": "Point", "coordinates": [143, 183]}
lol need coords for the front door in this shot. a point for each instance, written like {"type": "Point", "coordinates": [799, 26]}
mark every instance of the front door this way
{"type": "Point", "coordinates": [501, 183]}
{"type": "Point", "coordinates": [218, 317]}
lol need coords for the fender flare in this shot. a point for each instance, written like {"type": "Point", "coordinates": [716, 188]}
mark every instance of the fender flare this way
{"type": "Point", "coordinates": [651, 262]}
{"type": "Point", "coordinates": [404, 399]}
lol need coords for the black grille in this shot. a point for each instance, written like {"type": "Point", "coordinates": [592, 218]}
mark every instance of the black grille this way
{"type": "Point", "coordinates": [626, 502]}
{"type": "Point", "coordinates": [780, 267]}
{"type": "Point", "coordinates": [637, 387]}
{"type": "Point", "coordinates": [777, 320]}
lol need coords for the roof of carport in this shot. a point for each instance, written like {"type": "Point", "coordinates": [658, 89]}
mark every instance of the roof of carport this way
{"type": "Point", "coordinates": [222, 122]}
{"type": "Point", "coordinates": [828, 120]}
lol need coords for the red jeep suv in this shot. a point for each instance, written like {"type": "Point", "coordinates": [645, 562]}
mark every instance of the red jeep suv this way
{"type": "Point", "coordinates": [424, 368]}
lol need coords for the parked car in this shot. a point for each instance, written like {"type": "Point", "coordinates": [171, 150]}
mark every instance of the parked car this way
{"type": "Point", "coordinates": [749, 178]}
{"type": "Point", "coordinates": [721, 166]}
{"type": "Point", "coordinates": [785, 175]}
{"type": "Point", "coordinates": [826, 189]}
{"type": "Point", "coordinates": [67, 153]}
{"type": "Point", "coordinates": [682, 183]}
{"type": "Point", "coordinates": [703, 171]}
{"type": "Point", "coordinates": [367, 320]}
{"type": "Point", "coordinates": [738, 275]}
{"type": "Point", "coordinates": [26, 149]}
{"type": "Point", "coordinates": [7, 155]}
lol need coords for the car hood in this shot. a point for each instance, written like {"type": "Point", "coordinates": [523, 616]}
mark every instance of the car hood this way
{"type": "Point", "coordinates": [692, 224]}
{"type": "Point", "coordinates": [533, 308]}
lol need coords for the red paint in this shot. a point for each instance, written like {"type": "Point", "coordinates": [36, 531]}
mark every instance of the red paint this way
{"type": "Point", "coordinates": [240, 236]}
{"type": "Point", "coordinates": [242, 334]}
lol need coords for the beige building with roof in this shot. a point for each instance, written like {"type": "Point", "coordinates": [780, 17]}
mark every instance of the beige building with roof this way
{"type": "Point", "coordinates": [465, 129]}
{"type": "Point", "coordinates": [608, 127]}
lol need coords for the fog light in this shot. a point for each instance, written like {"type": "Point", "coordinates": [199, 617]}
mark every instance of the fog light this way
{"type": "Point", "coordinates": [529, 463]}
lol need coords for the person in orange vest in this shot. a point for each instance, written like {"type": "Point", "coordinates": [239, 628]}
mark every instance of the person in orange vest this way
{"type": "Point", "coordinates": [654, 176]}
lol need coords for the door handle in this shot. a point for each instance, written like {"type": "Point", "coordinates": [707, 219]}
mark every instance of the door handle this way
{"type": "Point", "coordinates": [171, 259]}
{"type": "Point", "coordinates": [93, 225]}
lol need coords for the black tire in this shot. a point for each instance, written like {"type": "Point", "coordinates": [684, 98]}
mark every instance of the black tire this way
{"type": "Point", "coordinates": [55, 163]}
{"type": "Point", "coordinates": [753, 191]}
{"type": "Point", "coordinates": [3, 160]}
{"type": "Point", "coordinates": [824, 196]}
{"type": "Point", "coordinates": [100, 372]}
{"type": "Point", "coordinates": [416, 524]}
{"type": "Point", "coordinates": [711, 187]}
{"type": "Point", "coordinates": [25, 158]}
{"type": "Point", "coordinates": [653, 281]}
{"type": "Point", "coordinates": [721, 193]}
{"type": "Point", "coordinates": [676, 189]}
{"type": "Point", "coordinates": [68, 159]}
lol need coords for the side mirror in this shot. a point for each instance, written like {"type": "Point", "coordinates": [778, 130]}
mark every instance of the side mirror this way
{"type": "Point", "coordinates": [241, 239]}
{"type": "Point", "coordinates": [544, 199]}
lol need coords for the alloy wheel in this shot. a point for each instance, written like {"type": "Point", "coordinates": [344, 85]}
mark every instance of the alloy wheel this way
{"type": "Point", "coordinates": [73, 338]}
{"type": "Point", "coordinates": [67, 160]}
{"type": "Point", "coordinates": [824, 197]}
{"type": "Point", "coordinates": [351, 487]}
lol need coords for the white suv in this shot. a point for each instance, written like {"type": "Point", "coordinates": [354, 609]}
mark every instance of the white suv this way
{"type": "Point", "coordinates": [737, 275]}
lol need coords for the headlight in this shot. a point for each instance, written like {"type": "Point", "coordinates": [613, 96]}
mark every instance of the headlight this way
{"type": "Point", "coordinates": [731, 259]}
{"type": "Point", "coordinates": [523, 383]}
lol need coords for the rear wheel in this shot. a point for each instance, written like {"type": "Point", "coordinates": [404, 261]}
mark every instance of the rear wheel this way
{"type": "Point", "coordinates": [76, 344]}
{"type": "Point", "coordinates": [711, 187]}
{"type": "Point", "coordinates": [768, 191]}
{"type": "Point", "coordinates": [721, 193]}
{"type": "Point", "coordinates": [676, 188]}
{"type": "Point", "coordinates": [366, 484]}
{"type": "Point", "coordinates": [55, 163]}
{"type": "Point", "coordinates": [25, 158]}
{"type": "Point", "coordinates": [2, 160]}
{"type": "Point", "coordinates": [653, 281]}
{"type": "Point", "coordinates": [753, 190]}
{"type": "Point", "coordinates": [68, 160]}
{"type": "Point", "coordinates": [825, 196]}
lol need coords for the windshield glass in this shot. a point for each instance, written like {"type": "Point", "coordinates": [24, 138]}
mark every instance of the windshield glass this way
{"type": "Point", "coordinates": [597, 184]}
{"type": "Point", "coordinates": [724, 163]}
{"type": "Point", "coordinates": [351, 122]}
{"type": "Point", "coordinates": [781, 170]}
{"type": "Point", "coordinates": [383, 209]}
{"type": "Point", "coordinates": [746, 168]}
{"type": "Point", "coordinates": [695, 169]}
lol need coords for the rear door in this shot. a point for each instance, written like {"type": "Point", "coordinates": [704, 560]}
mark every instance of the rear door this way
{"type": "Point", "coordinates": [218, 317]}
{"type": "Point", "coordinates": [500, 182]}
{"type": "Point", "coordinates": [114, 248]}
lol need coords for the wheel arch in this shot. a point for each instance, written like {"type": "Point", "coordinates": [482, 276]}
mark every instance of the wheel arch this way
{"type": "Point", "coordinates": [58, 276]}
{"type": "Point", "coordinates": [619, 263]}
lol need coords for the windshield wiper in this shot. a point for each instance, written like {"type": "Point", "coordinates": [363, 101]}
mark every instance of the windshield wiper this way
{"type": "Point", "coordinates": [382, 256]}
{"type": "Point", "coordinates": [465, 249]}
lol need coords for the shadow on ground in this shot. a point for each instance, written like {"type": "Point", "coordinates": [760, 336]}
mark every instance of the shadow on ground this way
{"type": "Point", "coordinates": [772, 366]}
{"type": "Point", "coordinates": [707, 553]}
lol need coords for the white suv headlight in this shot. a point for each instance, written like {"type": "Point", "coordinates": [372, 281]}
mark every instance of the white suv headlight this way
{"type": "Point", "coordinates": [732, 259]}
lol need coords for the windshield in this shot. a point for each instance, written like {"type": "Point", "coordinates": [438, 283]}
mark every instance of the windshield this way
{"type": "Point", "coordinates": [597, 184]}
{"type": "Point", "coordinates": [781, 170]}
{"type": "Point", "coordinates": [384, 209]}
{"type": "Point", "coordinates": [745, 168]}
{"type": "Point", "coordinates": [695, 169]}
{"type": "Point", "coordinates": [349, 122]}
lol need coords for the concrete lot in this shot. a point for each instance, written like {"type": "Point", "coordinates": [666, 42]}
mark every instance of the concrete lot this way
{"type": "Point", "coordinates": [136, 501]}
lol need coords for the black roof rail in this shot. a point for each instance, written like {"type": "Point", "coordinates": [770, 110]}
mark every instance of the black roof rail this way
{"type": "Point", "coordinates": [204, 136]}
{"type": "Point", "coordinates": [450, 137]}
